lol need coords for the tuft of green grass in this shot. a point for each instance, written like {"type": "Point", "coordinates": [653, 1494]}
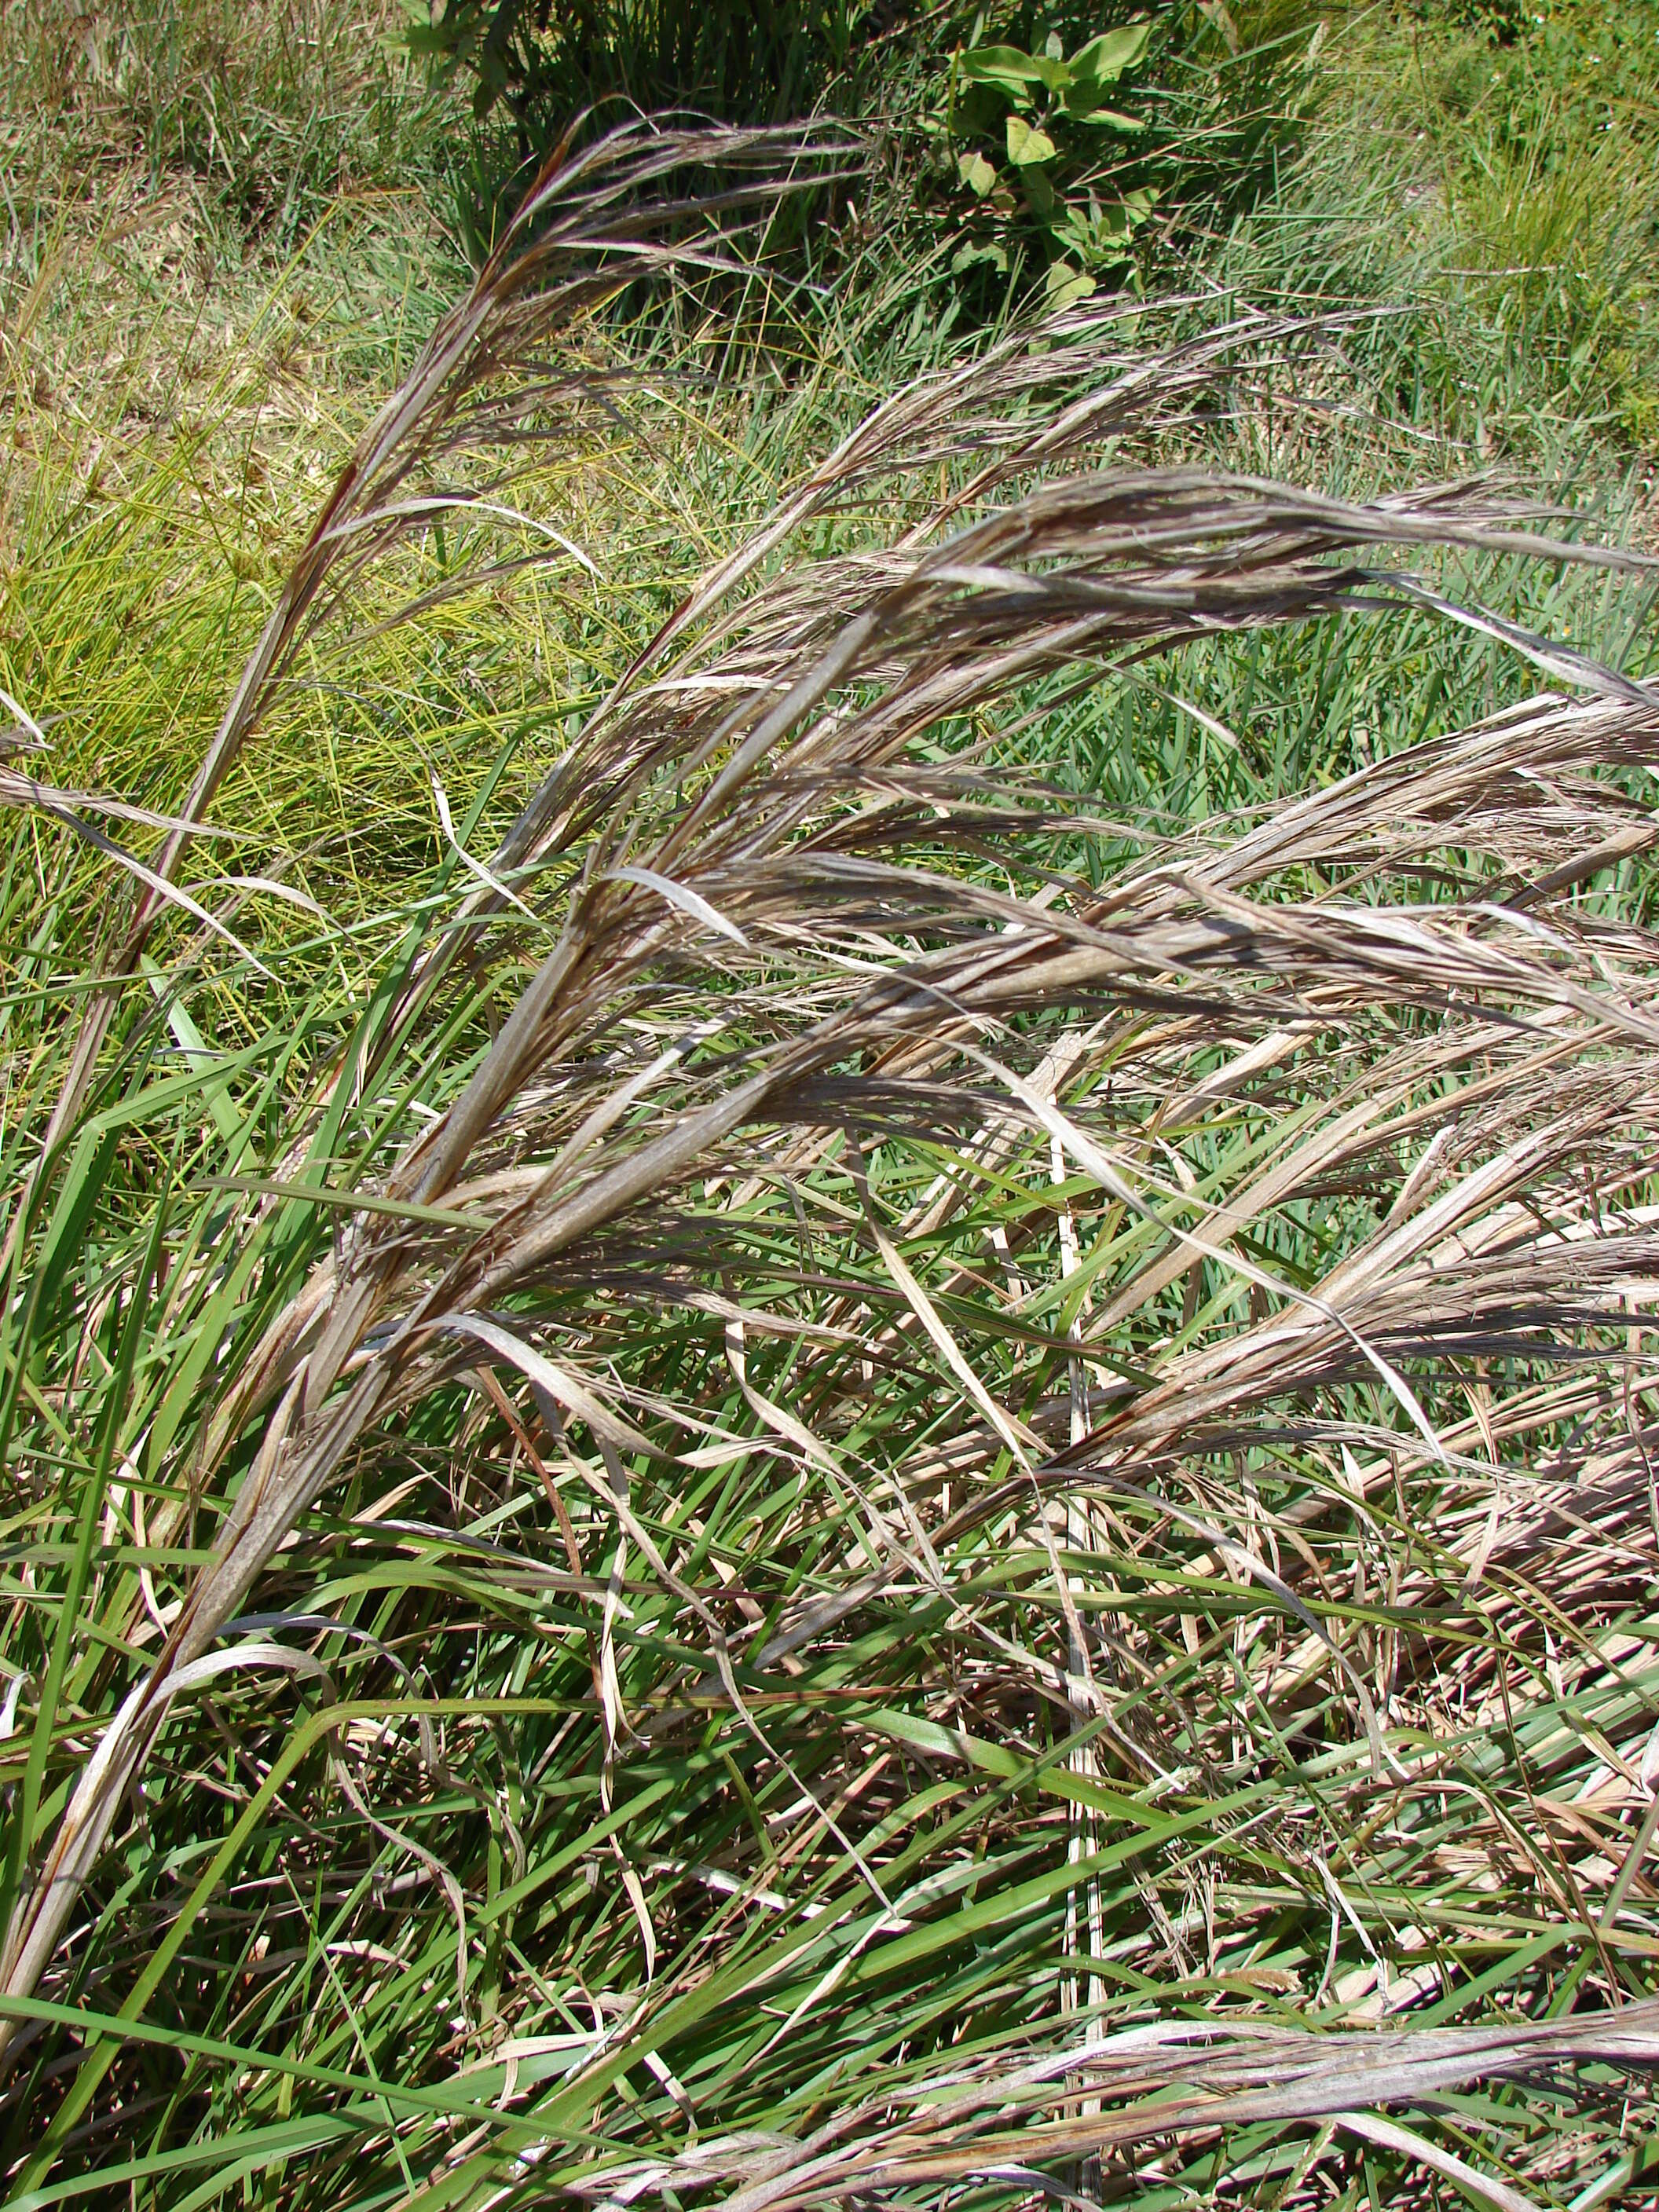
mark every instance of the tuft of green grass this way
{"type": "Point", "coordinates": [913, 1463]}
{"type": "Point", "coordinates": [265, 113]}
{"type": "Point", "coordinates": [1497, 203]}
{"type": "Point", "coordinates": [887, 1431]}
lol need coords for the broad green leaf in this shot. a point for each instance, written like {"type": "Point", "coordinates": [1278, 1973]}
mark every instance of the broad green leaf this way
{"type": "Point", "coordinates": [1026, 143]}
{"type": "Point", "coordinates": [976, 172]}
{"type": "Point", "coordinates": [1064, 285]}
{"type": "Point", "coordinates": [969, 256]}
{"type": "Point", "coordinates": [1003, 67]}
{"type": "Point", "coordinates": [1039, 192]}
{"type": "Point", "coordinates": [1104, 59]}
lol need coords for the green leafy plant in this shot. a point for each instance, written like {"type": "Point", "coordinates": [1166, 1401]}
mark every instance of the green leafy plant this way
{"type": "Point", "coordinates": [1033, 135]}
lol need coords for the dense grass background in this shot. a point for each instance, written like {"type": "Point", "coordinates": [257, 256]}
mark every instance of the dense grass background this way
{"type": "Point", "coordinates": [1202, 1694]}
